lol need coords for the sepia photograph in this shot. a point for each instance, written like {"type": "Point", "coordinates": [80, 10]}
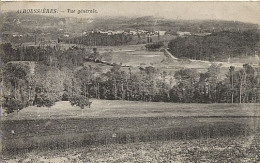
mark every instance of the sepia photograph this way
{"type": "Point", "coordinates": [130, 82]}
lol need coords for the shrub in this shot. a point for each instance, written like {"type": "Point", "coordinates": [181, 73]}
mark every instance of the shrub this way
{"type": "Point", "coordinates": [154, 46]}
{"type": "Point", "coordinates": [43, 100]}
{"type": "Point", "coordinates": [79, 100]}
{"type": "Point", "coordinates": [12, 104]}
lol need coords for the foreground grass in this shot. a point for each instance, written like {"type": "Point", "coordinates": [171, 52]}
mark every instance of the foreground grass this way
{"type": "Point", "coordinates": [226, 149]}
{"type": "Point", "coordinates": [141, 128]}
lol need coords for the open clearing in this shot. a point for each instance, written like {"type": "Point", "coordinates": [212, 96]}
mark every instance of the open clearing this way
{"type": "Point", "coordinates": [120, 108]}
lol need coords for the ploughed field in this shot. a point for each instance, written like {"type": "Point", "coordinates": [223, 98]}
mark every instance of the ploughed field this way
{"type": "Point", "coordinates": [128, 126]}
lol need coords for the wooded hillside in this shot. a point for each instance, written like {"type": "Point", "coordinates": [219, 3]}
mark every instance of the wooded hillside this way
{"type": "Point", "coordinates": [216, 46]}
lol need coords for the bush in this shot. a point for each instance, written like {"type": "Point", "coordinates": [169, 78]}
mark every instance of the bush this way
{"type": "Point", "coordinates": [65, 96]}
{"type": "Point", "coordinates": [43, 100]}
{"type": "Point", "coordinates": [79, 100]}
{"type": "Point", "coordinates": [154, 46]}
{"type": "Point", "coordinates": [12, 104]}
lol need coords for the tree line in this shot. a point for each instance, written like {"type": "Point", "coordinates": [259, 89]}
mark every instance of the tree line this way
{"type": "Point", "coordinates": [100, 39]}
{"type": "Point", "coordinates": [44, 82]}
{"type": "Point", "coordinates": [241, 85]}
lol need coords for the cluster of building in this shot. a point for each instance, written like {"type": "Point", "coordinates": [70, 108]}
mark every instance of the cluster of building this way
{"type": "Point", "coordinates": [129, 32]}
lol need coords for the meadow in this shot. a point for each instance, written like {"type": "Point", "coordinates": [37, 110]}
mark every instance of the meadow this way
{"type": "Point", "coordinates": [115, 124]}
{"type": "Point", "coordinates": [122, 108]}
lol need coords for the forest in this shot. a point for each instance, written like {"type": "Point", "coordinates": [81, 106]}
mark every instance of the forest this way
{"type": "Point", "coordinates": [216, 46]}
{"type": "Point", "coordinates": [42, 76]}
{"type": "Point", "coordinates": [99, 39]}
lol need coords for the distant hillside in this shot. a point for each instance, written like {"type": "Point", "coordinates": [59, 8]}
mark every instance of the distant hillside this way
{"type": "Point", "coordinates": [152, 23]}
{"type": "Point", "coordinates": [51, 28]}
{"type": "Point", "coordinates": [32, 21]}
{"type": "Point", "coordinates": [216, 46]}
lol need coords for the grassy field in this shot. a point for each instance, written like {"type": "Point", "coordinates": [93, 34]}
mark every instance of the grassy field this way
{"type": "Point", "coordinates": [137, 55]}
{"type": "Point", "coordinates": [123, 122]}
{"type": "Point", "coordinates": [119, 108]}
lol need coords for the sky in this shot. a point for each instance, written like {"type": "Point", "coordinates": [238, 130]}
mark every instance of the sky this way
{"type": "Point", "coordinates": [234, 11]}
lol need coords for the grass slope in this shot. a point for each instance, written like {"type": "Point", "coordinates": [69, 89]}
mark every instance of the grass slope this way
{"type": "Point", "coordinates": [118, 108]}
